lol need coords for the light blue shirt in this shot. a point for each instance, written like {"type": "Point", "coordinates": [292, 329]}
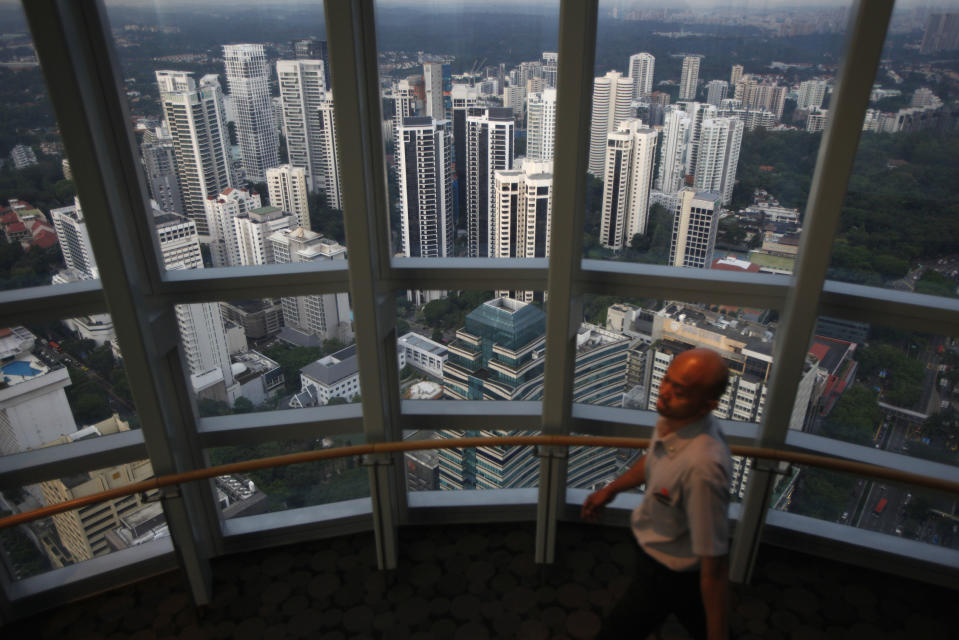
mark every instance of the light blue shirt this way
{"type": "Point", "coordinates": [683, 514]}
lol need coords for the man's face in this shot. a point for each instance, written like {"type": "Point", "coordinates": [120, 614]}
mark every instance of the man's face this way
{"type": "Point", "coordinates": [682, 393]}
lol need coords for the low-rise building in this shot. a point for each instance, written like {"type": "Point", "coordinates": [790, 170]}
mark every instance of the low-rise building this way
{"type": "Point", "coordinates": [423, 354]}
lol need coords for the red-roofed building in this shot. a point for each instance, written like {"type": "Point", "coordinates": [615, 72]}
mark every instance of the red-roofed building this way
{"type": "Point", "coordinates": [16, 231]}
{"type": "Point", "coordinates": [835, 359]}
{"type": "Point", "coordinates": [45, 239]}
{"type": "Point", "coordinates": [9, 218]}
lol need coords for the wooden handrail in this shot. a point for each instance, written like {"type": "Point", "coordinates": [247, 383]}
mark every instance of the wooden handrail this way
{"type": "Point", "coordinates": [834, 464]}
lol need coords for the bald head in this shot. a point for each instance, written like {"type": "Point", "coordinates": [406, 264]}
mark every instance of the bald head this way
{"type": "Point", "coordinates": [710, 371]}
{"type": "Point", "coordinates": [692, 386]}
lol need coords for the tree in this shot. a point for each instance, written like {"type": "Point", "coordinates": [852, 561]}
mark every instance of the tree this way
{"type": "Point", "coordinates": [243, 405]}
{"type": "Point", "coordinates": [822, 494]}
{"type": "Point", "coordinates": [855, 416]}
{"type": "Point", "coordinates": [101, 360]}
{"type": "Point", "coordinates": [335, 400]}
{"type": "Point", "coordinates": [332, 345]}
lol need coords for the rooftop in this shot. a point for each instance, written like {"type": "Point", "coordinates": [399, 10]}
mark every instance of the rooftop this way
{"type": "Point", "coordinates": [421, 342]}
{"type": "Point", "coordinates": [333, 368]}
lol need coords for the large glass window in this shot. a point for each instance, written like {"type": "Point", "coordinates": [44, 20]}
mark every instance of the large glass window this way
{"type": "Point", "coordinates": [43, 233]}
{"type": "Point", "coordinates": [236, 131]}
{"type": "Point", "coordinates": [898, 227]}
{"type": "Point", "coordinates": [704, 132]}
{"type": "Point", "coordinates": [699, 87]}
{"type": "Point", "coordinates": [267, 354]}
{"type": "Point", "coordinates": [62, 382]}
{"type": "Point", "coordinates": [885, 388]}
{"type": "Point", "coordinates": [468, 127]}
{"type": "Point", "coordinates": [467, 468]}
{"type": "Point", "coordinates": [81, 534]}
{"type": "Point", "coordinates": [292, 486]}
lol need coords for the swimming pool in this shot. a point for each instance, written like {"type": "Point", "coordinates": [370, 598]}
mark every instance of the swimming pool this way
{"type": "Point", "coordinates": [20, 368]}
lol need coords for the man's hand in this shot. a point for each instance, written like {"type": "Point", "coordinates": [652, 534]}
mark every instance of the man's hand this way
{"type": "Point", "coordinates": [594, 504]}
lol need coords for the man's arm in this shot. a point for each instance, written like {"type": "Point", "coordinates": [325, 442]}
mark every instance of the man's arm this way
{"type": "Point", "coordinates": [714, 586]}
{"type": "Point", "coordinates": [634, 477]}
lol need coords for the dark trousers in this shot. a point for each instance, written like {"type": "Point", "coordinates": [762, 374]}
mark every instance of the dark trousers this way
{"type": "Point", "coordinates": [655, 592]}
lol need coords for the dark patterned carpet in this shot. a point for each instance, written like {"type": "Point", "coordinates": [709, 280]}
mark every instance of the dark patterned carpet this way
{"type": "Point", "coordinates": [479, 581]}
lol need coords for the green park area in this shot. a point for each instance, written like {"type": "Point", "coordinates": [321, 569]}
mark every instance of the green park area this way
{"type": "Point", "coordinates": [764, 260]}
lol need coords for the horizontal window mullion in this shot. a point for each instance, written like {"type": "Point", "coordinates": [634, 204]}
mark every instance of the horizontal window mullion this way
{"type": "Point", "coordinates": [477, 274]}
{"type": "Point", "coordinates": [637, 423]}
{"type": "Point", "coordinates": [52, 302]}
{"type": "Point", "coordinates": [695, 285]}
{"type": "Point", "coordinates": [901, 309]}
{"type": "Point", "coordinates": [292, 424]}
{"type": "Point", "coordinates": [470, 414]}
{"type": "Point", "coordinates": [810, 443]}
{"type": "Point", "coordinates": [47, 463]}
{"type": "Point", "coordinates": [265, 281]}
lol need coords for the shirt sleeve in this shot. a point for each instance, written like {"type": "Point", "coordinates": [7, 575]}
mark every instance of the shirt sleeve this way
{"type": "Point", "coordinates": [707, 507]}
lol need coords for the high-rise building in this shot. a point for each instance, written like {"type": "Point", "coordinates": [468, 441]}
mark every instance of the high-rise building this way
{"type": "Point", "coordinates": [550, 62]}
{"type": "Point", "coordinates": [612, 98]}
{"type": "Point", "coordinates": [312, 49]}
{"type": "Point", "coordinates": [716, 91]}
{"type": "Point", "coordinates": [677, 129]}
{"type": "Point", "coordinates": [33, 403]}
{"type": "Point", "coordinates": [541, 125]}
{"type": "Point", "coordinates": [253, 233]}
{"type": "Point", "coordinates": [286, 187]}
{"type": "Point", "coordinates": [688, 83]}
{"type": "Point", "coordinates": [816, 120]}
{"type": "Point", "coordinates": [425, 169]}
{"type": "Point", "coordinates": [221, 210]}
{"type": "Point", "coordinates": [404, 105]}
{"type": "Point", "coordinates": [941, 33]}
{"type": "Point", "coordinates": [695, 223]}
{"type": "Point", "coordinates": [324, 316]}
{"type": "Point", "coordinates": [735, 74]}
{"type": "Point", "coordinates": [698, 112]}
{"type": "Point", "coordinates": [71, 228]}
{"type": "Point", "coordinates": [641, 67]}
{"type": "Point", "coordinates": [309, 125]}
{"type": "Point", "coordinates": [498, 355]}
{"type": "Point", "coordinates": [522, 215]}
{"type": "Point", "coordinates": [436, 76]}
{"type": "Point", "coordinates": [489, 147]}
{"type": "Point", "coordinates": [202, 334]}
{"type": "Point", "coordinates": [720, 142]}
{"type": "Point", "coordinates": [630, 155]}
{"type": "Point", "coordinates": [197, 124]}
{"type": "Point", "coordinates": [159, 164]}
{"type": "Point", "coordinates": [811, 94]}
{"type": "Point", "coordinates": [330, 179]}
{"type": "Point", "coordinates": [522, 210]}
{"type": "Point", "coordinates": [248, 77]}
{"type": "Point", "coordinates": [462, 99]}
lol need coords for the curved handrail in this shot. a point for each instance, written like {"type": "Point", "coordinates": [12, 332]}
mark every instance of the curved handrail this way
{"type": "Point", "coordinates": [834, 464]}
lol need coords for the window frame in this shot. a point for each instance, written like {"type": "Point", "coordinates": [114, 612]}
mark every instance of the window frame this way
{"type": "Point", "coordinates": [75, 46]}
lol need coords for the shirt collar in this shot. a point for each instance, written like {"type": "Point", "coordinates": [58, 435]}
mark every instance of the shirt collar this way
{"type": "Point", "coordinates": [676, 441]}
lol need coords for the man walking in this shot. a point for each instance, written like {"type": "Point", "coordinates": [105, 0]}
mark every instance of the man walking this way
{"type": "Point", "coordinates": [681, 524]}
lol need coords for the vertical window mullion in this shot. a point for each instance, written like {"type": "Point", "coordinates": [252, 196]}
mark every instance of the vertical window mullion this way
{"type": "Point", "coordinates": [74, 43]}
{"type": "Point", "coordinates": [867, 35]}
{"type": "Point", "coordinates": [574, 98]}
{"type": "Point", "coordinates": [351, 36]}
